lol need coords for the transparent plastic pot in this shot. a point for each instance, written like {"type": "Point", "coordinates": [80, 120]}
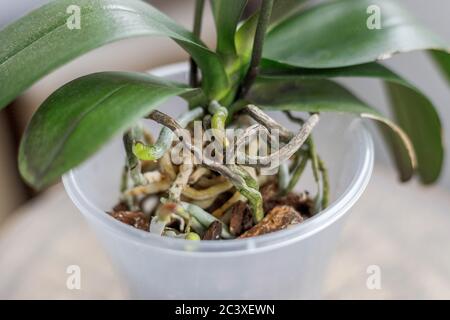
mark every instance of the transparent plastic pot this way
{"type": "Point", "coordinates": [288, 264]}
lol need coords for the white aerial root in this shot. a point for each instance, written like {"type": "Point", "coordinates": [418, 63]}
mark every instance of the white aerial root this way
{"type": "Point", "coordinates": [205, 182]}
{"type": "Point", "coordinates": [197, 174]}
{"type": "Point", "coordinates": [166, 166]}
{"type": "Point", "coordinates": [204, 203]}
{"type": "Point", "coordinates": [283, 154]}
{"type": "Point", "coordinates": [181, 179]}
{"type": "Point", "coordinates": [151, 188]}
{"type": "Point", "coordinates": [208, 193]}
{"type": "Point", "coordinates": [153, 176]}
{"type": "Point", "coordinates": [264, 119]}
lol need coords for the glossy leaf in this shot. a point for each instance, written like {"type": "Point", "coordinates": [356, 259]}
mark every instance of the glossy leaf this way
{"type": "Point", "coordinates": [413, 111]}
{"type": "Point", "coordinates": [417, 116]}
{"type": "Point", "coordinates": [246, 30]}
{"type": "Point", "coordinates": [227, 14]}
{"type": "Point", "coordinates": [237, 64]}
{"type": "Point", "coordinates": [77, 119]}
{"type": "Point", "coordinates": [315, 95]}
{"type": "Point", "coordinates": [285, 8]}
{"type": "Point", "coordinates": [343, 33]}
{"type": "Point", "coordinates": [42, 41]}
{"type": "Point", "coordinates": [442, 59]}
{"type": "Point", "coordinates": [244, 36]}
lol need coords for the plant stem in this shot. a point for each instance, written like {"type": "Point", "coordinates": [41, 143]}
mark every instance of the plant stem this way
{"type": "Point", "coordinates": [128, 200]}
{"type": "Point", "coordinates": [133, 163]}
{"type": "Point", "coordinates": [298, 171]}
{"type": "Point", "coordinates": [314, 158]}
{"type": "Point", "coordinates": [198, 15]}
{"type": "Point", "coordinates": [325, 183]}
{"type": "Point", "coordinates": [318, 167]}
{"type": "Point", "coordinates": [124, 179]}
{"type": "Point", "coordinates": [258, 42]}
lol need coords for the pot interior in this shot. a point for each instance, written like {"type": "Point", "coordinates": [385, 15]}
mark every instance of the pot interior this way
{"type": "Point", "coordinates": [341, 140]}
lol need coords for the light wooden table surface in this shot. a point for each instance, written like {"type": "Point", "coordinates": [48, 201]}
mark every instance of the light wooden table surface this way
{"type": "Point", "coordinates": [404, 230]}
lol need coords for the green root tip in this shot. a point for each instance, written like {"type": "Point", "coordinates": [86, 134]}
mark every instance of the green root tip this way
{"type": "Point", "coordinates": [142, 151]}
{"type": "Point", "coordinates": [192, 236]}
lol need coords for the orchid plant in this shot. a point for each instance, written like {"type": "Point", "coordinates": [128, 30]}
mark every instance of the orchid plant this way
{"type": "Point", "coordinates": [285, 57]}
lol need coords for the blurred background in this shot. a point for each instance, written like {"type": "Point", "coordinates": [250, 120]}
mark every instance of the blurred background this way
{"type": "Point", "coordinates": [411, 210]}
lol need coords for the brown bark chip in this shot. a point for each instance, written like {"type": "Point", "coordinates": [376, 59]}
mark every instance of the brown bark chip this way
{"type": "Point", "coordinates": [213, 232]}
{"type": "Point", "coordinates": [133, 218]}
{"type": "Point", "coordinates": [120, 207]}
{"type": "Point", "coordinates": [278, 218]}
{"type": "Point", "coordinates": [299, 201]}
{"type": "Point", "coordinates": [241, 218]}
{"type": "Point", "coordinates": [237, 215]}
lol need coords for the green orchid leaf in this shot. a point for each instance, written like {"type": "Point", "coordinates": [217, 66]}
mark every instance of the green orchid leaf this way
{"type": "Point", "coordinates": [246, 30]}
{"type": "Point", "coordinates": [285, 8]}
{"type": "Point", "coordinates": [347, 32]}
{"type": "Point", "coordinates": [244, 37]}
{"type": "Point", "coordinates": [237, 65]}
{"type": "Point", "coordinates": [399, 144]}
{"type": "Point", "coordinates": [413, 111]}
{"type": "Point", "coordinates": [315, 95]}
{"type": "Point", "coordinates": [46, 39]}
{"type": "Point", "coordinates": [80, 117]}
{"type": "Point", "coordinates": [442, 60]}
{"type": "Point", "coordinates": [227, 14]}
{"type": "Point", "coordinates": [271, 68]}
{"type": "Point", "coordinates": [417, 116]}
